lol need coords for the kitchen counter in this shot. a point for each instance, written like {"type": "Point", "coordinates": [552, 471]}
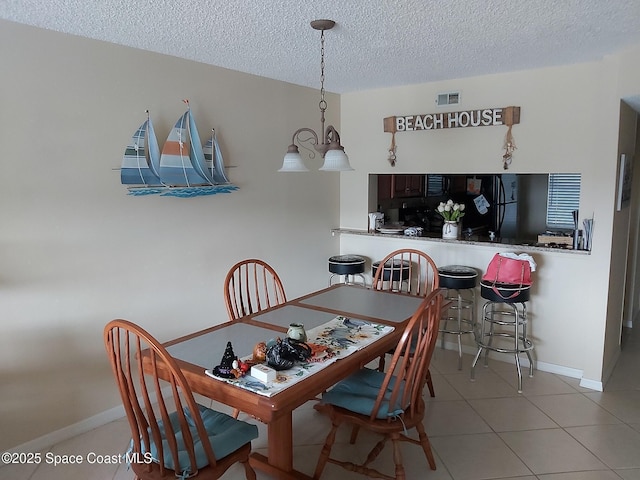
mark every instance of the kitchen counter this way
{"type": "Point", "coordinates": [473, 240]}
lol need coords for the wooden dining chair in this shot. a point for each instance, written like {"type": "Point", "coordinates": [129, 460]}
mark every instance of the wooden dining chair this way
{"type": "Point", "coordinates": [388, 403]}
{"type": "Point", "coordinates": [407, 271]}
{"type": "Point", "coordinates": [172, 436]}
{"type": "Point", "coordinates": [251, 286]}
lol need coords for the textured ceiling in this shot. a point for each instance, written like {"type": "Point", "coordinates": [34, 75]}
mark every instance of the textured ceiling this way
{"type": "Point", "coordinates": [376, 43]}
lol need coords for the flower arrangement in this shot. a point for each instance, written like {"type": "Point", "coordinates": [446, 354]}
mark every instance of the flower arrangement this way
{"type": "Point", "coordinates": [451, 212]}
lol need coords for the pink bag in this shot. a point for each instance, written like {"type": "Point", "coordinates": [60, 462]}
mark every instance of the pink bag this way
{"type": "Point", "coordinates": [508, 270]}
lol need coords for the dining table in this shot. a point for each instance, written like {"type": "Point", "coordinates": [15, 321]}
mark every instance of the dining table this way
{"type": "Point", "coordinates": [199, 352]}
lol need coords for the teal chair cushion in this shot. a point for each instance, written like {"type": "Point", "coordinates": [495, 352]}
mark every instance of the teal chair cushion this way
{"type": "Point", "coordinates": [359, 391]}
{"type": "Point", "coordinates": [225, 433]}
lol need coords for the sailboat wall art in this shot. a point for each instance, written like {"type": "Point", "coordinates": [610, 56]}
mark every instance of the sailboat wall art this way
{"type": "Point", "coordinates": [183, 168]}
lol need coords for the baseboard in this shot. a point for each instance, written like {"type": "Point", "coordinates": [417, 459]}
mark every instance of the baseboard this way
{"type": "Point", "coordinates": [542, 366]}
{"type": "Point", "coordinates": [83, 426]}
{"type": "Point", "coordinates": [592, 384]}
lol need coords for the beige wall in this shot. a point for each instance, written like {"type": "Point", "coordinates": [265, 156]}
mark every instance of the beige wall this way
{"type": "Point", "coordinates": [77, 251]}
{"type": "Point", "coordinates": [569, 123]}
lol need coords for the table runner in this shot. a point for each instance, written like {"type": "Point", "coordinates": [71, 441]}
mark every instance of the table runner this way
{"type": "Point", "coordinates": [342, 336]}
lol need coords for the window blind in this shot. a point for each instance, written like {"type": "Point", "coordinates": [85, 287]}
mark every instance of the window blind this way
{"type": "Point", "coordinates": [562, 199]}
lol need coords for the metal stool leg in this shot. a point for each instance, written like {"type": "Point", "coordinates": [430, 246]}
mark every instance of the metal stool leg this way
{"type": "Point", "coordinates": [480, 340]}
{"type": "Point", "coordinates": [510, 316]}
{"type": "Point", "coordinates": [463, 325]}
{"type": "Point", "coordinates": [527, 345]}
{"type": "Point", "coordinates": [516, 348]}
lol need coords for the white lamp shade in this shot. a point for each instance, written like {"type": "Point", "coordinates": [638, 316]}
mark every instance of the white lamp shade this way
{"type": "Point", "coordinates": [293, 163]}
{"type": "Point", "coordinates": [336, 160]}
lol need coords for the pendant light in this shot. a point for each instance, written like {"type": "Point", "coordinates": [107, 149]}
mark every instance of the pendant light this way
{"type": "Point", "coordinates": [335, 160]}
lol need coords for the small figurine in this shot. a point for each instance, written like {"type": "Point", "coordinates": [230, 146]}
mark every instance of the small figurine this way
{"type": "Point", "coordinates": [260, 352]}
{"type": "Point", "coordinates": [240, 368]}
{"type": "Point", "coordinates": [225, 369]}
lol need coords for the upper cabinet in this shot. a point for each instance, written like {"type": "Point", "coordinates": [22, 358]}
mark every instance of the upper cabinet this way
{"type": "Point", "coordinates": [400, 186]}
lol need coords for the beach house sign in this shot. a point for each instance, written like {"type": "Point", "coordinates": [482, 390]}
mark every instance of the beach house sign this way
{"type": "Point", "coordinates": [435, 121]}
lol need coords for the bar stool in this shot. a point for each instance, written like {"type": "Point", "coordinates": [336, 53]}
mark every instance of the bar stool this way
{"type": "Point", "coordinates": [394, 271]}
{"type": "Point", "coordinates": [505, 307]}
{"type": "Point", "coordinates": [460, 281]}
{"type": "Point", "coordinates": [348, 266]}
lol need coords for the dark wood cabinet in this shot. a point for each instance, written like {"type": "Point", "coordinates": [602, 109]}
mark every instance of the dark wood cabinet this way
{"type": "Point", "coordinates": [400, 186]}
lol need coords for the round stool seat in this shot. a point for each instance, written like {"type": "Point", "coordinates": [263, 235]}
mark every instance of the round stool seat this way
{"type": "Point", "coordinates": [506, 292]}
{"type": "Point", "coordinates": [457, 277]}
{"type": "Point", "coordinates": [460, 282]}
{"type": "Point", "coordinates": [399, 270]}
{"type": "Point", "coordinates": [346, 264]}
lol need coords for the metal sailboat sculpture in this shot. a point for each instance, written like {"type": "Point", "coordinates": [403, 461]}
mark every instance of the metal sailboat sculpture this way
{"type": "Point", "coordinates": [214, 160]}
{"type": "Point", "coordinates": [141, 161]}
{"type": "Point", "coordinates": [182, 169]}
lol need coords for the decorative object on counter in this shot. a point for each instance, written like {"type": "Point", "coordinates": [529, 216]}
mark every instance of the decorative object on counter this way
{"type": "Point", "coordinates": [260, 352]}
{"type": "Point", "coordinates": [452, 213]}
{"type": "Point", "coordinates": [450, 230]}
{"type": "Point", "coordinates": [376, 220]}
{"type": "Point", "coordinates": [413, 231]}
{"type": "Point", "coordinates": [335, 160]}
{"type": "Point", "coordinates": [184, 168]}
{"type": "Point", "coordinates": [469, 118]}
{"type": "Point", "coordinates": [240, 368]}
{"type": "Point", "coordinates": [225, 369]}
{"type": "Point", "coordinates": [284, 353]}
{"type": "Point", "coordinates": [556, 239]}
{"type": "Point", "coordinates": [297, 332]}
{"type": "Point", "coordinates": [263, 373]}
{"type": "Point", "coordinates": [510, 118]}
{"type": "Point", "coordinates": [588, 233]}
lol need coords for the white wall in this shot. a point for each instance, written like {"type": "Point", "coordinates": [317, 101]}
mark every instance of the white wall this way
{"type": "Point", "coordinates": [76, 251]}
{"type": "Point", "coordinates": [569, 123]}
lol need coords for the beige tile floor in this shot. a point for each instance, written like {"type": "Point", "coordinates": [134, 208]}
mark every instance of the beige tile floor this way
{"type": "Point", "coordinates": [554, 430]}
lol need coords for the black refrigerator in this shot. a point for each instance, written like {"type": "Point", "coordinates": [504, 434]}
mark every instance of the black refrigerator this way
{"type": "Point", "coordinates": [505, 200]}
{"type": "Point", "coordinates": [491, 203]}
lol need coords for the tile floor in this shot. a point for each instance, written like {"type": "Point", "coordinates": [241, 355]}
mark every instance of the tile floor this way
{"type": "Point", "coordinates": [554, 430]}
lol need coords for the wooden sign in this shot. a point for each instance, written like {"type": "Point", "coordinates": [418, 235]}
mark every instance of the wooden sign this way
{"type": "Point", "coordinates": [467, 118]}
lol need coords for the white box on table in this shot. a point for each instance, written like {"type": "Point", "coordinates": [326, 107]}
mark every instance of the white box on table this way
{"type": "Point", "coordinates": [263, 373]}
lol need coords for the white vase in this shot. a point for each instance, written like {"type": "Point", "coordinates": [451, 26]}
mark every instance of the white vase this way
{"type": "Point", "coordinates": [450, 230]}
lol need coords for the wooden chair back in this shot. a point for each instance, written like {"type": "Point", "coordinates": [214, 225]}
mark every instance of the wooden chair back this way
{"type": "Point", "coordinates": [407, 372]}
{"type": "Point", "coordinates": [251, 286]}
{"type": "Point", "coordinates": [422, 278]}
{"type": "Point", "coordinates": [419, 268]}
{"type": "Point", "coordinates": [148, 403]}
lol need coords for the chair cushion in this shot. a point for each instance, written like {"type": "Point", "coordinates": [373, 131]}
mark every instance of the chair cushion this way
{"type": "Point", "coordinates": [225, 433]}
{"type": "Point", "coordinates": [359, 391]}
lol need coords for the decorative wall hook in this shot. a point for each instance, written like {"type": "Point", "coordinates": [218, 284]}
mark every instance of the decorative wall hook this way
{"type": "Point", "coordinates": [511, 116]}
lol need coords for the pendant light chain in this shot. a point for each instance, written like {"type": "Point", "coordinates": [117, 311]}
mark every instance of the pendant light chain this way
{"type": "Point", "coordinates": [323, 103]}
